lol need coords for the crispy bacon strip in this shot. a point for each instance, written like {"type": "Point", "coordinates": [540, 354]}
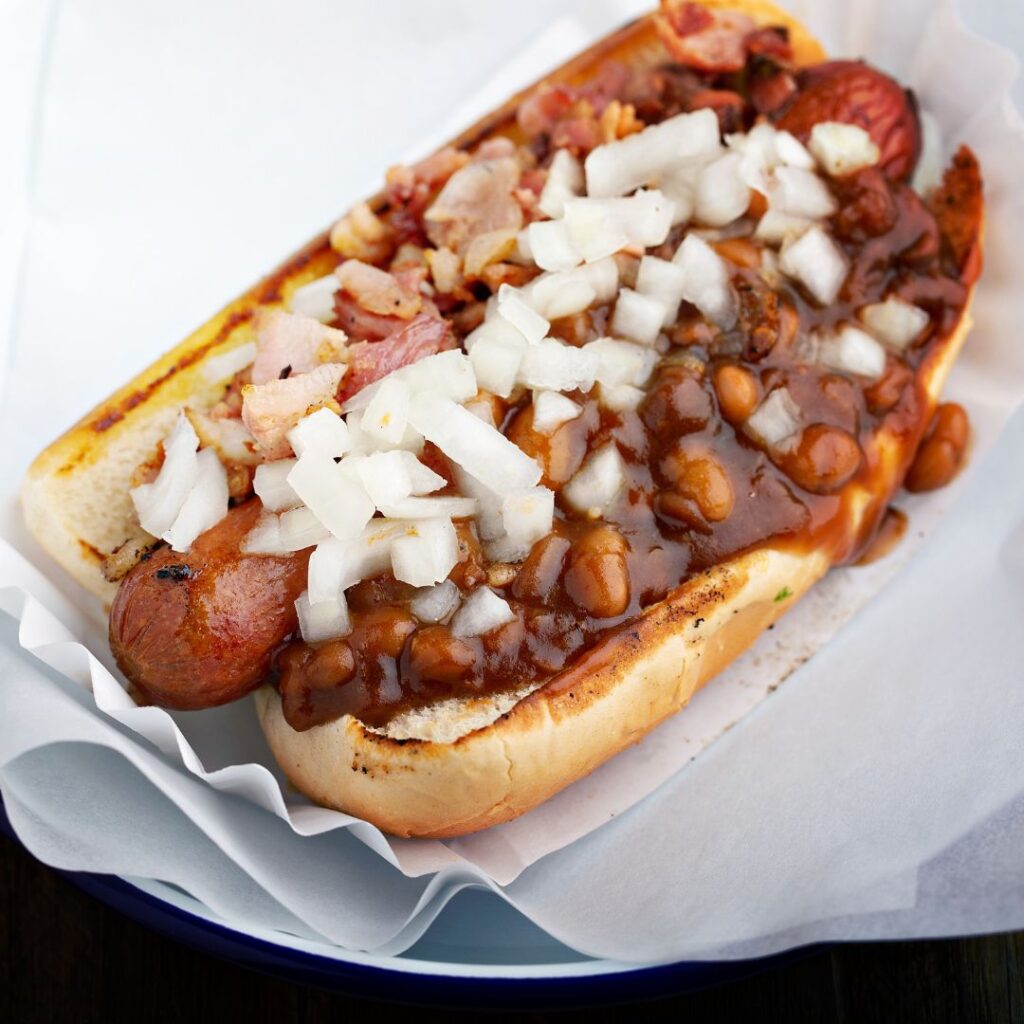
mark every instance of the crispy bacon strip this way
{"type": "Point", "coordinates": [708, 40]}
{"type": "Point", "coordinates": [288, 343]}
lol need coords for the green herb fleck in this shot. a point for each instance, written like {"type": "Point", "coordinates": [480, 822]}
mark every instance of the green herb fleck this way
{"type": "Point", "coordinates": [783, 594]}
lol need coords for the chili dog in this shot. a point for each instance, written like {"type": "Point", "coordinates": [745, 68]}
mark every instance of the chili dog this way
{"type": "Point", "coordinates": [481, 486]}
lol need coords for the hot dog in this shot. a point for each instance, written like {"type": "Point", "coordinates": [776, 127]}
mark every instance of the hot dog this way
{"type": "Point", "coordinates": [527, 474]}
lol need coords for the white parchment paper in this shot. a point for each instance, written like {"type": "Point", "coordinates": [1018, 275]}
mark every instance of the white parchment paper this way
{"type": "Point", "coordinates": [156, 175]}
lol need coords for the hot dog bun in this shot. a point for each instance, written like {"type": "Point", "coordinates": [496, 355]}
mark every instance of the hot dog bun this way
{"type": "Point", "coordinates": [464, 765]}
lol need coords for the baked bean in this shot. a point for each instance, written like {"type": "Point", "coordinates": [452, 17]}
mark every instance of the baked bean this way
{"type": "Point", "coordinates": [886, 392]}
{"type": "Point", "coordinates": [383, 631]}
{"type": "Point", "coordinates": [743, 252]}
{"type": "Point", "coordinates": [693, 331]}
{"type": "Point", "coordinates": [561, 453]}
{"type": "Point", "coordinates": [438, 656]}
{"type": "Point", "coordinates": [598, 579]}
{"type": "Point", "coordinates": [824, 460]}
{"type": "Point", "coordinates": [737, 392]}
{"type": "Point", "coordinates": [471, 569]}
{"type": "Point", "coordinates": [542, 570]}
{"type": "Point", "coordinates": [942, 451]}
{"type": "Point", "coordinates": [678, 402]}
{"type": "Point", "coordinates": [696, 473]}
{"type": "Point", "coordinates": [320, 668]}
{"type": "Point", "coordinates": [677, 508]}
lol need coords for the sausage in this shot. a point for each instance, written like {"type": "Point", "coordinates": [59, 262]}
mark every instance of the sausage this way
{"type": "Point", "coordinates": [200, 629]}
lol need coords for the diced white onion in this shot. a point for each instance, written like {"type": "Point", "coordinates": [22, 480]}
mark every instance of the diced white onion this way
{"type": "Point", "coordinates": [514, 308]}
{"type": "Point", "coordinates": [851, 350]}
{"type": "Point", "coordinates": [425, 553]}
{"type": "Point", "coordinates": [272, 487]}
{"type": "Point", "coordinates": [384, 476]}
{"type": "Point", "coordinates": [620, 397]}
{"type": "Point", "coordinates": [159, 502]}
{"type": "Point", "coordinates": [802, 194]}
{"type": "Point", "coordinates": [429, 508]}
{"type": "Point", "coordinates": [791, 151]}
{"type": "Point", "coordinates": [564, 181]}
{"type": "Point", "coordinates": [386, 416]}
{"type": "Point", "coordinates": [894, 321]}
{"type": "Point", "coordinates": [479, 449]}
{"type": "Point", "coordinates": [551, 410]}
{"type": "Point", "coordinates": [816, 261]}
{"type": "Point", "coordinates": [528, 515]}
{"type": "Point", "coordinates": [494, 328]}
{"type": "Point", "coordinates": [558, 295]}
{"type": "Point", "coordinates": [622, 166]}
{"type": "Point", "coordinates": [496, 364]}
{"type": "Point", "coordinates": [621, 362]}
{"type": "Point", "coordinates": [316, 299]}
{"type": "Point", "coordinates": [601, 227]}
{"type": "Point", "coordinates": [481, 612]}
{"type": "Point", "coordinates": [447, 373]}
{"type": "Point", "coordinates": [707, 281]}
{"type": "Point", "coordinates": [206, 504]}
{"type": "Point", "coordinates": [598, 481]}
{"type": "Point", "coordinates": [664, 281]}
{"type": "Point", "coordinates": [489, 523]}
{"type": "Point", "coordinates": [842, 148]}
{"type": "Point", "coordinates": [226, 365]}
{"type": "Point", "coordinates": [721, 195]}
{"type": "Point", "coordinates": [298, 528]}
{"type": "Point", "coordinates": [775, 421]}
{"type": "Point", "coordinates": [265, 537]}
{"type": "Point", "coordinates": [553, 366]}
{"type": "Point", "coordinates": [637, 317]}
{"type": "Point", "coordinates": [322, 433]}
{"type": "Point", "coordinates": [776, 227]}
{"type": "Point", "coordinates": [341, 504]}
{"type": "Point", "coordinates": [325, 620]}
{"type": "Point", "coordinates": [602, 276]}
{"type": "Point", "coordinates": [336, 565]}
{"type": "Point", "coordinates": [551, 247]}
{"type": "Point", "coordinates": [436, 603]}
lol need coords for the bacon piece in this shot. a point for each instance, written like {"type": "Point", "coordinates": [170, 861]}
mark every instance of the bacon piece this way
{"type": "Point", "coordinates": [771, 42]}
{"type": "Point", "coordinates": [709, 40]}
{"type": "Point", "coordinates": [377, 291]}
{"type": "Point", "coordinates": [855, 93]}
{"type": "Point", "coordinates": [293, 343]}
{"type": "Point", "coordinates": [370, 360]}
{"type": "Point", "coordinates": [270, 410]}
{"type": "Point", "coordinates": [958, 207]}
{"type": "Point", "coordinates": [544, 108]}
{"type": "Point", "coordinates": [476, 199]}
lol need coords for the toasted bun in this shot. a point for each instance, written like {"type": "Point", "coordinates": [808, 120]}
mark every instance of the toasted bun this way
{"type": "Point", "coordinates": [463, 765]}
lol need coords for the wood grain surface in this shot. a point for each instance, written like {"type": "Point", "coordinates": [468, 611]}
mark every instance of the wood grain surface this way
{"type": "Point", "coordinates": [65, 957]}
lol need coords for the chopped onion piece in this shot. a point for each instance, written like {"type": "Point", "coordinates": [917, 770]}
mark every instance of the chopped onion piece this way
{"type": "Point", "coordinates": [481, 612]}
{"type": "Point", "coordinates": [425, 553]}
{"type": "Point", "coordinates": [621, 362]}
{"type": "Point", "coordinates": [206, 504]}
{"type": "Point", "coordinates": [428, 508]}
{"type": "Point", "coordinates": [322, 433]}
{"type": "Point", "coordinates": [227, 364]}
{"type": "Point", "coordinates": [776, 227]}
{"type": "Point", "coordinates": [564, 181]}
{"type": "Point", "coordinates": [551, 410]}
{"type": "Point", "coordinates": [447, 373]}
{"type": "Point", "coordinates": [316, 299]}
{"type": "Point", "coordinates": [384, 476]}
{"type": "Point", "coordinates": [265, 537]}
{"type": "Point", "coordinates": [385, 418]}
{"type": "Point", "coordinates": [602, 276]}
{"type": "Point", "coordinates": [480, 450]}
{"type": "Point", "coordinates": [851, 350]}
{"type": "Point", "coordinates": [496, 364]}
{"type": "Point", "coordinates": [598, 481]}
{"type": "Point", "coordinates": [601, 227]}
{"type": "Point", "coordinates": [722, 195]}
{"type": "Point", "coordinates": [637, 317]}
{"type": "Point", "coordinates": [802, 194]}
{"type": "Point", "coordinates": [299, 528]}
{"type": "Point", "coordinates": [816, 261]}
{"type": "Point", "coordinates": [553, 366]}
{"type": "Point", "coordinates": [894, 321]}
{"type": "Point", "coordinates": [158, 503]}
{"type": "Point", "coordinates": [272, 487]}
{"type": "Point", "coordinates": [775, 421]}
{"type": "Point", "coordinates": [663, 281]}
{"type": "Point", "coordinates": [558, 295]}
{"type": "Point", "coordinates": [622, 166]}
{"type": "Point", "coordinates": [707, 281]}
{"type": "Point", "coordinates": [842, 148]}
{"type": "Point", "coordinates": [494, 328]}
{"type": "Point", "coordinates": [488, 517]}
{"type": "Point", "coordinates": [551, 247]}
{"type": "Point", "coordinates": [514, 308]}
{"type": "Point", "coordinates": [336, 565]}
{"type": "Point", "coordinates": [436, 603]}
{"type": "Point", "coordinates": [528, 515]}
{"type": "Point", "coordinates": [364, 442]}
{"type": "Point", "coordinates": [791, 151]}
{"type": "Point", "coordinates": [340, 503]}
{"type": "Point", "coordinates": [325, 620]}
{"type": "Point", "coordinates": [621, 397]}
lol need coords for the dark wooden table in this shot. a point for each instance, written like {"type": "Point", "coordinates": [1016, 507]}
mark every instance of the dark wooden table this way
{"type": "Point", "coordinates": [65, 957]}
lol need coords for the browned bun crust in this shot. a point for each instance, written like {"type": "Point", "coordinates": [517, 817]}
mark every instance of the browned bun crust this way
{"type": "Point", "coordinates": [483, 764]}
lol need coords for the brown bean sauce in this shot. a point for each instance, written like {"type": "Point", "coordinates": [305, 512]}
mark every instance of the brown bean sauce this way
{"type": "Point", "coordinates": [699, 489]}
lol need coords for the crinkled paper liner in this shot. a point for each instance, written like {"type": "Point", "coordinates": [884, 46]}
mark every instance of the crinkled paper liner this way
{"type": "Point", "coordinates": [194, 809]}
